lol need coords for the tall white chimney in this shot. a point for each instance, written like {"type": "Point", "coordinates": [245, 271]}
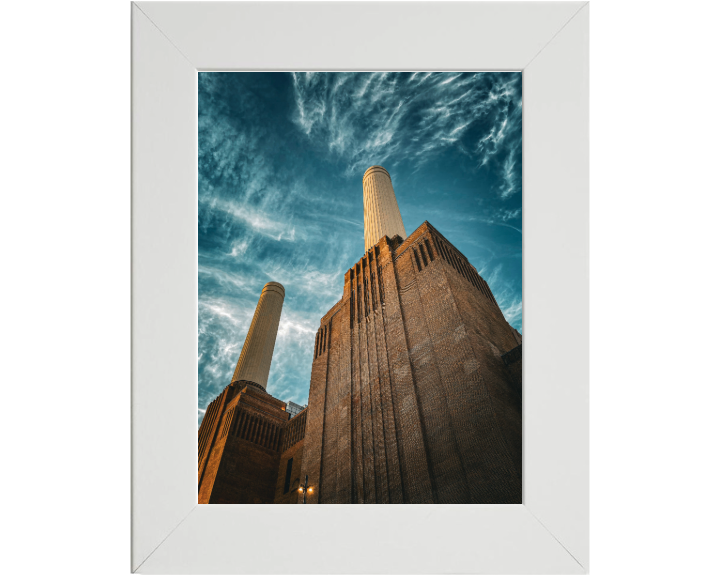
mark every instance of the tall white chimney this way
{"type": "Point", "coordinates": [257, 351]}
{"type": "Point", "coordinates": [382, 215]}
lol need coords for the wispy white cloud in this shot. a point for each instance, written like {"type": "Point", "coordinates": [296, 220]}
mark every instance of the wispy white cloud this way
{"type": "Point", "coordinates": [499, 217]}
{"type": "Point", "coordinates": [512, 312]}
{"type": "Point", "coordinates": [505, 291]}
{"type": "Point", "coordinates": [506, 215]}
{"type": "Point", "coordinates": [505, 225]}
{"type": "Point", "coordinates": [449, 80]}
{"type": "Point", "coordinates": [264, 214]}
{"type": "Point", "coordinates": [239, 248]}
{"type": "Point", "coordinates": [221, 310]}
{"type": "Point", "coordinates": [257, 220]}
{"type": "Point", "coordinates": [224, 278]}
{"type": "Point", "coordinates": [380, 118]}
{"type": "Point", "coordinates": [494, 276]}
{"type": "Point", "coordinates": [309, 109]}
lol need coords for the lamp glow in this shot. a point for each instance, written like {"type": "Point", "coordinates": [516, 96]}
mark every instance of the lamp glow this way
{"type": "Point", "coordinates": [304, 488]}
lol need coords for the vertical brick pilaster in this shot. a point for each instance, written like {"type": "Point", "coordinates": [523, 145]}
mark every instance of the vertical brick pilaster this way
{"type": "Point", "coordinates": [411, 441]}
{"type": "Point", "coordinates": [314, 431]}
{"type": "Point", "coordinates": [340, 371]}
{"type": "Point", "coordinates": [368, 430]}
{"type": "Point", "coordinates": [379, 352]}
{"type": "Point", "coordinates": [449, 478]}
{"type": "Point", "coordinates": [358, 480]}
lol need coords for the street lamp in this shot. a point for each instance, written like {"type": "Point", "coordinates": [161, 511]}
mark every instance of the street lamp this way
{"type": "Point", "coordinates": [304, 488]}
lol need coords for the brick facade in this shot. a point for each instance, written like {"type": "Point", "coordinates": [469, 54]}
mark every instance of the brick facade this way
{"type": "Point", "coordinates": [410, 399]}
{"type": "Point", "coordinates": [239, 450]}
{"type": "Point", "coordinates": [415, 395]}
{"type": "Point", "coordinates": [244, 443]}
{"type": "Point", "coordinates": [289, 476]}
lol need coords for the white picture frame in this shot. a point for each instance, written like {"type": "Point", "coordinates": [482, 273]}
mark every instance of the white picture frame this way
{"type": "Point", "coordinates": [548, 533]}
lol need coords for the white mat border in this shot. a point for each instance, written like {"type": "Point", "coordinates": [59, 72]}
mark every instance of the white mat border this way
{"type": "Point", "coordinates": [549, 43]}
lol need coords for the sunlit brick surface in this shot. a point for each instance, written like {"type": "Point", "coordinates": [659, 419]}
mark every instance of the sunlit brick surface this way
{"type": "Point", "coordinates": [411, 400]}
{"type": "Point", "coordinates": [415, 395]}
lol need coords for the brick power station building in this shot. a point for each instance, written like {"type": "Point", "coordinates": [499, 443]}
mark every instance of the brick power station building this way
{"type": "Point", "coordinates": [415, 392]}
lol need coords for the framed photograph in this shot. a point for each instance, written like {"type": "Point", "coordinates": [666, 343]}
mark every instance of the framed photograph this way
{"type": "Point", "coordinates": [260, 133]}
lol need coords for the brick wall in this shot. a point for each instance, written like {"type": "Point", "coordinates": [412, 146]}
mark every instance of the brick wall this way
{"type": "Point", "coordinates": [513, 361]}
{"type": "Point", "coordinates": [245, 451]}
{"type": "Point", "coordinates": [209, 428]}
{"type": "Point", "coordinates": [415, 395]}
{"type": "Point", "coordinates": [292, 496]}
{"type": "Point", "coordinates": [291, 448]}
{"type": "Point", "coordinates": [410, 400]}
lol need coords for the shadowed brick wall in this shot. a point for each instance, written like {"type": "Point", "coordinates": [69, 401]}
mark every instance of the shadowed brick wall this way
{"type": "Point", "coordinates": [291, 448]}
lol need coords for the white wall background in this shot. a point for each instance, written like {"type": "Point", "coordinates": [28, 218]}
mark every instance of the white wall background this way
{"type": "Point", "coordinates": [66, 288]}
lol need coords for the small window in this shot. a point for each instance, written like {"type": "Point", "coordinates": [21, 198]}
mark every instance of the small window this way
{"type": "Point", "coordinates": [430, 253]}
{"type": "Point", "coordinates": [417, 260]}
{"type": "Point", "coordinates": [422, 253]}
{"type": "Point", "coordinates": [288, 472]}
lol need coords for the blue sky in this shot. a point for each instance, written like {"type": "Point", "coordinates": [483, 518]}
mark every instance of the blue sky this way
{"type": "Point", "coordinates": [280, 163]}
